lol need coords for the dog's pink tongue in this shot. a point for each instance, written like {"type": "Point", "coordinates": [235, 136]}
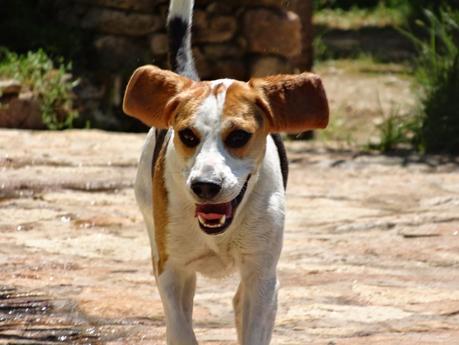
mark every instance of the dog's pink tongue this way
{"type": "Point", "coordinates": [214, 211]}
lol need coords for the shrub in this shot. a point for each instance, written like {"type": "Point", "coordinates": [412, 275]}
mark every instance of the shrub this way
{"type": "Point", "coordinates": [50, 82]}
{"type": "Point", "coordinates": [437, 72]}
{"type": "Point", "coordinates": [435, 126]}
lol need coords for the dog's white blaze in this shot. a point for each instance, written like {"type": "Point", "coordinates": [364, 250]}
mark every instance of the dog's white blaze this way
{"type": "Point", "coordinates": [212, 160]}
{"type": "Point", "coordinates": [208, 117]}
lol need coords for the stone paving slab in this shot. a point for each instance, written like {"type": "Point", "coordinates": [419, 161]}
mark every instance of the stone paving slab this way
{"type": "Point", "coordinates": [371, 248]}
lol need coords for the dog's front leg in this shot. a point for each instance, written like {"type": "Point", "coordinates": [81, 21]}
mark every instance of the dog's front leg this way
{"type": "Point", "coordinates": [255, 307]}
{"type": "Point", "coordinates": [176, 288]}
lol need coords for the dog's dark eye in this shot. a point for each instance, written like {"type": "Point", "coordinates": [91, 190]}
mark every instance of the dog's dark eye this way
{"type": "Point", "coordinates": [237, 138]}
{"type": "Point", "coordinates": [188, 137]}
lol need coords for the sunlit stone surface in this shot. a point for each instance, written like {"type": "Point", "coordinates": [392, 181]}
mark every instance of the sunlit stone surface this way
{"type": "Point", "coordinates": [371, 248]}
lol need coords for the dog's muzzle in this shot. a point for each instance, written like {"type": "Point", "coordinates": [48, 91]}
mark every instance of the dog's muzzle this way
{"type": "Point", "coordinates": [214, 219]}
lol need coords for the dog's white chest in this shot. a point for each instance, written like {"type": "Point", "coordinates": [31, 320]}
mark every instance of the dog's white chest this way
{"type": "Point", "coordinates": [212, 264]}
{"type": "Point", "coordinates": [213, 257]}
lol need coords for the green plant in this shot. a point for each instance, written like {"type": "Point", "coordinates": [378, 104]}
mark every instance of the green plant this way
{"type": "Point", "coordinates": [434, 127]}
{"type": "Point", "coordinates": [356, 17]}
{"type": "Point", "coordinates": [395, 130]}
{"type": "Point", "coordinates": [338, 130]}
{"type": "Point", "coordinates": [437, 73]}
{"type": "Point", "coordinates": [320, 48]}
{"type": "Point", "coordinates": [50, 82]}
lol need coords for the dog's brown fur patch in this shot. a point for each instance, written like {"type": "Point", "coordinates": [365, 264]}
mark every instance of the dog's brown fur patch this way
{"type": "Point", "coordinates": [295, 102]}
{"type": "Point", "coordinates": [185, 114]}
{"type": "Point", "coordinates": [148, 93]}
{"type": "Point", "coordinates": [241, 112]}
{"type": "Point", "coordinates": [160, 214]}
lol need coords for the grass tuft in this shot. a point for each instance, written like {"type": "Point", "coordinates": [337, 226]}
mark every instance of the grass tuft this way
{"type": "Point", "coordinates": [355, 17]}
{"type": "Point", "coordinates": [395, 131]}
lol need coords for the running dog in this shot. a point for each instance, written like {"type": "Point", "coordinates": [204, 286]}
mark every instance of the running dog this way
{"type": "Point", "coordinates": [211, 179]}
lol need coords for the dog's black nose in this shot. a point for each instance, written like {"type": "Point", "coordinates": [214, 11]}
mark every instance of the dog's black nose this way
{"type": "Point", "coordinates": [206, 190]}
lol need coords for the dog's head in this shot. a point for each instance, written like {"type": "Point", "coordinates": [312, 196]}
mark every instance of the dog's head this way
{"type": "Point", "coordinates": [220, 128]}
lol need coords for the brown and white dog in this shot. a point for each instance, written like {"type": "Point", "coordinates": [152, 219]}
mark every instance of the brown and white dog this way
{"type": "Point", "coordinates": [210, 183]}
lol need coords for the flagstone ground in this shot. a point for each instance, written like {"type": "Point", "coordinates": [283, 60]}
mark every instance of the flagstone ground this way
{"type": "Point", "coordinates": [371, 248]}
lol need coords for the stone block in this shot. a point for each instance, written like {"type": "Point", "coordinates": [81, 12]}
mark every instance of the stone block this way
{"type": "Point", "coordinates": [235, 69]}
{"type": "Point", "coordinates": [23, 111]}
{"type": "Point", "coordinates": [221, 68]}
{"type": "Point", "coordinates": [276, 3]}
{"type": "Point", "coordinates": [159, 44]}
{"type": "Point", "coordinates": [267, 3]}
{"type": "Point", "coordinates": [71, 14]}
{"type": "Point", "coordinates": [118, 52]}
{"type": "Point", "coordinates": [200, 20]}
{"type": "Point", "coordinates": [162, 11]}
{"type": "Point", "coordinates": [134, 5]}
{"type": "Point", "coordinates": [223, 50]}
{"type": "Point", "coordinates": [213, 29]}
{"type": "Point", "coordinates": [220, 8]}
{"type": "Point", "coordinates": [9, 87]}
{"type": "Point", "coordinates": [273, 32]}
{"type": "Point", "coordinates": [120, 22]}
{"type": "Point", "coordinates": [269, 65]}
{"type": "Point", "coordinates": [201, 3]}
{"type": "Point", "coordinates": [202, 63]}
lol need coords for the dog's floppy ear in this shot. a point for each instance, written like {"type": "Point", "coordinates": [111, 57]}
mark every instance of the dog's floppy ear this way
{"type": "Point", "coordinates": [294, 103]}
{"type": "Point", "coordinates": [148, 93]}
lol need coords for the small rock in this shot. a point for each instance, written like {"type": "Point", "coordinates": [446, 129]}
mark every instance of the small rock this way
{"type": "Point", "coordinates": [22, 112]}
{"type": "Point", "coordinates": [9, 87]}
{"type": "Point", "coordinates": [273, 32]}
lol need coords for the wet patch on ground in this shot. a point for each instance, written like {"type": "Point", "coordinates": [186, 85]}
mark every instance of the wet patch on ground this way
{"type": "Point", "coordinates": [31, 317]}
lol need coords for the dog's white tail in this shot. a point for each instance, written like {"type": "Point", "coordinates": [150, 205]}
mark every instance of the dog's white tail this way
{"type": "Point", "coordinates": [179, 32]}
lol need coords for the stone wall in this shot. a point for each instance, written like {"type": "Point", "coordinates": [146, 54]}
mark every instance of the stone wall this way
{"type": "Point", "coordinates": [236, 39]}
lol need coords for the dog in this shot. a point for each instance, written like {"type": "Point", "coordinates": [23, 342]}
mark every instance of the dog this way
{"type": "Point", "coordinates": [211, 179]}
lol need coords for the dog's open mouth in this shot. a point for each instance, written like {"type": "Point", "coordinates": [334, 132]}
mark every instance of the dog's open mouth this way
{"type": "Point", "coordinates": [214, 219]}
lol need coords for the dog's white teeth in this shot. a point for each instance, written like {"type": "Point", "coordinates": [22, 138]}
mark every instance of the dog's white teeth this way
{"type": "Point", "coordinates": [201, 220]}
{"type": "Point", "coordinates": [220, 223]}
